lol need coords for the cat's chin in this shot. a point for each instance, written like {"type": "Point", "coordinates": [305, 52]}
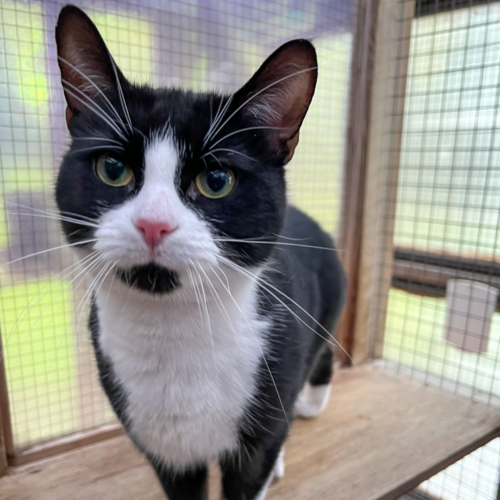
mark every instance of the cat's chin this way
{"type": "Point", "coordinates": [150, 278]}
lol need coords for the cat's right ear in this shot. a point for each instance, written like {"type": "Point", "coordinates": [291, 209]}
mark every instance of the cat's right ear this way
{"type": "Point", "coordinates": [87, 67]}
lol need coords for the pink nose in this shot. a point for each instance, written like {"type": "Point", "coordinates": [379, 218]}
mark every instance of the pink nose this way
{"type": "Point", "coordinates": [153, 232]}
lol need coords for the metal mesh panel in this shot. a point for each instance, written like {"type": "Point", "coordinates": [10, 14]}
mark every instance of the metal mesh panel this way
{"type": "Point", "coordinates": [441, 324]}
{"type": "Point", "coordinates": [52, 384]}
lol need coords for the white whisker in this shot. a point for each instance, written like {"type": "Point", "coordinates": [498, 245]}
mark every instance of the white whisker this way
{"type": "Point", "coordinates": [261, 350]}
{"type": "Point", "coordinates": [277, 243]}
{"type": "Point", "coordinates": [111, 107]}
{"type": "Point", "coordinates": [267, 287]}
{"type": "Point", "coordinates": [84, 242]}
{"type": "Point", "coordinates": [241, 130]}
{"type": "Point", "coordinates": [120, 94]}
{"type": "Point", "coordinates": [228, 150]}
{"type": "Point", "coordinates": [260, 92]}
{"type": "Point", "coordinates": [206, 310]}
{"type": "Point", "coordinates": [103, 148]}
{"type": "Point", "coordinates": [60, 218]}
{"type": "Point", "coordinates": [99, 111]}
{"type": "Point", "coordinates": [118, 143]}
{"type": "Point", "coordinates": [218, 119]}
{"type": "Point", "coordinates": [84, 262]}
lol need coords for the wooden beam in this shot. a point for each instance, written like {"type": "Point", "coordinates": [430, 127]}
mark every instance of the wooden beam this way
{"type": "Point", "coordinates": [355, 165]}
{"type": "Point", "coordinates": [6, 437]}
{"type": "Point", "coordinates": [66, 443]}
{"type": "Point", "coordinates": [383, 151]}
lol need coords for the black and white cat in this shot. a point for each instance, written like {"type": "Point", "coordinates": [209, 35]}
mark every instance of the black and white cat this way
{"type": "Point", "coordinates": [213, 299]}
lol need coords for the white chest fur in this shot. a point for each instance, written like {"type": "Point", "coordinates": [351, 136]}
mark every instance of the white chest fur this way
{"type": "Point", "coordinates": [187, 382]}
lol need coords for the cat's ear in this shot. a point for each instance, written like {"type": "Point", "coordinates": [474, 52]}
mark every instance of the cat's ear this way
{"type": "Point", "coordinates": [85, 62]}
{"type": "Point", "coordinates": [279, 94]}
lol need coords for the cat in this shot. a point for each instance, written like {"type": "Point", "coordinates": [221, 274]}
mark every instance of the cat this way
{"type": "Point", "coordinates": [213, 299]}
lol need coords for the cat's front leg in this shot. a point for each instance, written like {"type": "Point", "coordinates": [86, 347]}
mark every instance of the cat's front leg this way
{"type": "Point", "coordinates": [191, 484]}
{"type": "Point", "coordinates": [249, 475]}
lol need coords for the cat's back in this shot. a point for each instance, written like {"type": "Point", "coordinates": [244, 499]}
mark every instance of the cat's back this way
{"type": "Point", "coordinates": [312, 264]}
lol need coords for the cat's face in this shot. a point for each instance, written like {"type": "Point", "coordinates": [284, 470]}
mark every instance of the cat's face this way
{"type": "Point", "coordinates": [158, 179]}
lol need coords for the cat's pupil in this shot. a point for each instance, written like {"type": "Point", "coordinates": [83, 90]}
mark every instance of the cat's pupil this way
{"type": "Point", "coordinates": [114, 168]}
{"type": "Point", "coordinates": [217, 180]}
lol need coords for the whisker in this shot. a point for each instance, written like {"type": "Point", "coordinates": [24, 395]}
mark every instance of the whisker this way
{"type": "Point", "coordinates": [217, 298]}
{"type": "Point", "coordinates": [60, 218]}
{"type": "Point", "coordinates": [214, 157]}
{"type": "Point", "coordinates": [104, 147]}
{"type": "Point", "coordinates": [111, 107]}
{"type": "Point", "coordinates": [261, 350]}
{"type": "Point", "coordinates": [278, 243]}
{"type": "Point", "coordinates": [217, 121]}
{"type": "Point", "coordinates": [228, 150]}
{"type": "Point", "coordinates": [260, 92]}
{"type": "Point", "coordinates": [96, 139]}
{"type": "Point", "coordinates": [206, 310]}
{"type": "Point", "coordinates": [266, 286]}
{"type": "Point", "coordinates": [84, 242]}
{"type": "Point", "coordinates": [241, 130]}
{"type": "Point", "coordinates": [50, 213]}
{"type": "Point", "coordinates": [99, 111]}
{"type": "Point", "coordinates": [197, 296]}
{"type": "Point", "coordinates": [86, 261]}
{"type": "Point", "coordinates": [214, 123]}
{"type": "Point", "coordinates": [93, 286]}
{"type": "Point", "coordinates": [120, 94]}
{"type": "Point", "coordinates": [89, 291]}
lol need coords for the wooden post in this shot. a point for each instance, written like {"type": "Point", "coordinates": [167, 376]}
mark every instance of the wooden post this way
{"type": "Point", "coordinates": [6, 438]}
{"type": "Point", "coordinates": [383, 147]}
{"type": "Point", "coordinates": [355, 164]}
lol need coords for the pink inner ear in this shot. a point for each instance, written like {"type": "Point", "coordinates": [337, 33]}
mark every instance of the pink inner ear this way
{"type": "Point", "coordinates": [283, 88]}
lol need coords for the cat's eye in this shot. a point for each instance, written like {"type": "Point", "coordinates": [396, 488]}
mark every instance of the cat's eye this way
{"type": "Point", "coordinates": [215, 184]}
{"type": "Point", "coordinates": [113, 172]}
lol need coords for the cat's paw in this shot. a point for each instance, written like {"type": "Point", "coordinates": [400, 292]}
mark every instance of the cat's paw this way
{"type": "Point", "coordinates": [279, 466]}
{"type": "Point", "coordinates": [312, 400]}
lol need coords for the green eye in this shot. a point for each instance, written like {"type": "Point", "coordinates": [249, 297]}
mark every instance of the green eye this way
{"type": "Point", "coordinates": [113, 172]}
{"type": "Point", "coordinates": [215, 184]}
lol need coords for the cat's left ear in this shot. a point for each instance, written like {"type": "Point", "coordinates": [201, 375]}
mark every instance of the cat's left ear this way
{"type": "Point", "coordinates": [279, 94]}
{"type": "Point", "coordinates": [87, 67]}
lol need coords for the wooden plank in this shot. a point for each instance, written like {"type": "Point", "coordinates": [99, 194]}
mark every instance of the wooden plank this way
{"type": "Point", "coordinates": [6, 438]}
{"type": "Point", "coordinates": [355, 166]}
{"type": "Point", "coordinates": [66, 443]}
{"type": "Point", "coordinates": [384, 145]}
{"type": "Point", "coordinates": [381, 436]}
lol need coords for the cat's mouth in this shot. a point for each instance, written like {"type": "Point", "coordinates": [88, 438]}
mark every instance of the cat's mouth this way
{"type": "Point", "coordinates": [150, 278]}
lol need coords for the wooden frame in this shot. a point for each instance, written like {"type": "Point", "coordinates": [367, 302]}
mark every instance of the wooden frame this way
{"type": "Point", "coordinates": [374, 225]}
{"type": "Point", "coordinates": [381, 56]}
{"type": "Point", "coordinates": [355, 165]}
{"type": "Point", "coordinates": [66, 443]}
{"type": "Point", "coordinates": [6, 438]}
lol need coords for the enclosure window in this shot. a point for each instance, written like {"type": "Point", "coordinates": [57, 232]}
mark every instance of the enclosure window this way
{"type": "Point", "coordinates": [447, 214]}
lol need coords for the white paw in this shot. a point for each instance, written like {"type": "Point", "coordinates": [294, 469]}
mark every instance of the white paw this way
{"type": "Point", "coordinates": [312, 400]}
{"type": "Point", "coordinates": [279, 466]}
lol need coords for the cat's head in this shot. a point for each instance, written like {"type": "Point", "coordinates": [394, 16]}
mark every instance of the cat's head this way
{"type": "Point", "coordinates": [156, 179]}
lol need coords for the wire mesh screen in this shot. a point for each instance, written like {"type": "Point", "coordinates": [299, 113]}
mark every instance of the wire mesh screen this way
{"type": "Point", "coordinates": [52, 384]}
{"type": "Point", "coordinates": [441, 216]}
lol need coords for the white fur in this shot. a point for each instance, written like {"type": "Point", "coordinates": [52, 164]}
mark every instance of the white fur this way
{"type": "Point", "coordinates": [279, 466]}
{"type": "Point", "coordinates": [187, 380]}
{"type": "Point", "coordinates": [158, 200]}
{"type": "Point", "coordinates": [312, 400]}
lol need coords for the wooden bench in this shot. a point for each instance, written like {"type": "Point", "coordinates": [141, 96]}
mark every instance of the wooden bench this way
{"type": "Point", "coordinates": [381, 435]}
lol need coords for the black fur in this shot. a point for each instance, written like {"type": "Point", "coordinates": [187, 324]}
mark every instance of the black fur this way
{"type": "Point", "coordinates": [255, 209]}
